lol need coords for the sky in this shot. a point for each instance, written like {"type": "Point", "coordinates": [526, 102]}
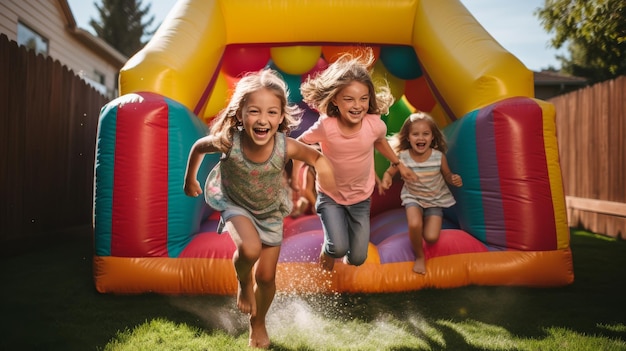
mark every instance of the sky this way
{"type": "Point", "coordinates": [511, 22]}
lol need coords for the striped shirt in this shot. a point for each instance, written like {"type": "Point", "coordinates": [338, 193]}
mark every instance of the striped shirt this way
{"type": "Point", "coordinates": [430, 189]}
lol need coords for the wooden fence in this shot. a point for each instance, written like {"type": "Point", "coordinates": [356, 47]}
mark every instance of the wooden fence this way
{"type": "Point", "coordinates": [591, 132]}
{"type": "Point", "coordinates": [48, 124]}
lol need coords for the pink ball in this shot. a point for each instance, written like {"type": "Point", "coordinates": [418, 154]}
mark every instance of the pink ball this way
{"type": "Point", "coordinates": [320, 66]}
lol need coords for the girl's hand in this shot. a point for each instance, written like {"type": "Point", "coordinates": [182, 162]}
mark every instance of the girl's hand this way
{"type": "Point", "coordinates": [379, 185]}
{"type": "Point", "coordinates": [192, 188]}
{"type": "Point", "coordinates": [386, 182]}
{"type": "Point", "coordinates": [456, 180]}
{"type": "Point", "coordinates": [406, 173]}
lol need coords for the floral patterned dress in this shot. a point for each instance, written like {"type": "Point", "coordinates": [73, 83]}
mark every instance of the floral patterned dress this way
{"type": "Point", "coordinates": [238, 186]}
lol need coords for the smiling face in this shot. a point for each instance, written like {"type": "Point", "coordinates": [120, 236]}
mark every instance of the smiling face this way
{"type": "Point", "coordinates": [353, 103]}
{"type": "Point", "coordinates": [420, 138]}
{"type": "Point", "coordinates": [262, 114]}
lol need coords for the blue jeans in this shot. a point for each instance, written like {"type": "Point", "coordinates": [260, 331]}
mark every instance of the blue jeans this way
{"type": "Point", "coordinates": [346, 228]}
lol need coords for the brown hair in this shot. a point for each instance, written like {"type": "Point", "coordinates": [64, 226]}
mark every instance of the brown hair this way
{"type": "Point", "coordinates": [226, 122]}
{"type": "Point", "coordinates": [401, 141]}
{"type": "Point", "coordinates": [318, 91]}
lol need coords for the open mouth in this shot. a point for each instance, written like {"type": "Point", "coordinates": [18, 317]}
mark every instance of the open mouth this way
{"type": "Point", "coordinates": [261, 131]}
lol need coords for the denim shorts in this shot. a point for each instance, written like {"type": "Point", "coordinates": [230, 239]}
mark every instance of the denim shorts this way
{"type": "Point", "coordinates": [428, 211]}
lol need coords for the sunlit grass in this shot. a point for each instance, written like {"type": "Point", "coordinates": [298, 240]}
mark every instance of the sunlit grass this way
{"type": "Point", "coordinates": [584, 233]}
{"type": "Point", "coordinates": [618, 328]}
{"type": "Point", "coordinates": [161, 334]}
{"type": "Point", "coordinates": [563, 339]}
{"type": "Point", "coordinates": [320, 334]}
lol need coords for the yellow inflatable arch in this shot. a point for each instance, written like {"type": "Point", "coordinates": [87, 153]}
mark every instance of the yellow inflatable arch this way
{"type": "Point", "coordinates": [182, 59]}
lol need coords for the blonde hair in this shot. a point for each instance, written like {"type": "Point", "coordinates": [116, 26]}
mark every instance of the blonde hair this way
{"type": "Point", "coordinates": [401, 139]}
{"type": "Point", "coordinates": [226, 123]}
{"type": "Point", "coordinates": [318, 91]}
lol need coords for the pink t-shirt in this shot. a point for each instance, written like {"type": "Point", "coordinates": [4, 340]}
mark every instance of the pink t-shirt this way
{"type": "Point", "coordinates": [352, 156]}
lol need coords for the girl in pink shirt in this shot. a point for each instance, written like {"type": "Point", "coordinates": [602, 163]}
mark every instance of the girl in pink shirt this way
{"type": "Point", "coordinates": [348, 130]}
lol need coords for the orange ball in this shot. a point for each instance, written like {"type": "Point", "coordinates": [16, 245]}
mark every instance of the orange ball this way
{"type": "Point", "coordinates": [333, 52]}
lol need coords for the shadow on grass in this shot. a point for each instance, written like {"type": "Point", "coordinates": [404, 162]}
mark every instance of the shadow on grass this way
{"type": "Point", "coordinates": [49, 302]}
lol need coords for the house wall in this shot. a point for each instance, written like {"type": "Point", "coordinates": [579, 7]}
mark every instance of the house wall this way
{"type": "Point", "coordinates": [545, 92]}
{"type": "Point", "coordinates": [47, 18]}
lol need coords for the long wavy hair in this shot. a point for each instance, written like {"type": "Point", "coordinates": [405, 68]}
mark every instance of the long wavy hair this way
{"type": "Point", "coordinates": [318, 91]}
{"type": "Point", "coordinates": [400, 140]}
{"type": "Point", "coordinates": [226, 122]}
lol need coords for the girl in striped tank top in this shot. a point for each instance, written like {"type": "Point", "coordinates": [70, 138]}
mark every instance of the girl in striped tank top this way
{"type": "Point", "coordinates": [421, 146]}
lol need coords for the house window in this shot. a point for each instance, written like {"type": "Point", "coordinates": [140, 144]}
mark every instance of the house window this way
{"type": "Point", "coordinates": [100, 77]}
{"type": "Point", "coordinates": [31, 39]}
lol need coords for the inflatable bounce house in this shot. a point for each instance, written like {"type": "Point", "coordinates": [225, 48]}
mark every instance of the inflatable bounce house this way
{"type": "Point", "coordinates": [509, 225]}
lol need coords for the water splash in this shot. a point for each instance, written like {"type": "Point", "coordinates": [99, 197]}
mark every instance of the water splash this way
{"type": "Point", "coordinates": [215, 312]}
{"type": "Point", "coordinates": [321, 322]}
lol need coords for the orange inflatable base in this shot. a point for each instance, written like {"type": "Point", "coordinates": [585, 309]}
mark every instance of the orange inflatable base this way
{"type": "Point", "coordinates": [192, 276]}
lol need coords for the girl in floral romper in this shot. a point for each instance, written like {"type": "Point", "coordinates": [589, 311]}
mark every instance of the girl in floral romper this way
{"type": "Point", "coordinates": [248, 185]}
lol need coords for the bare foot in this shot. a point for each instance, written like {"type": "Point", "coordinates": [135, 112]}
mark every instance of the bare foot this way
{"type": "Point", "coordinates": [420, 266]}
{"type": "Point", "coordinates": [326, 262]}
{"type": "Point", "coordinates": [258, 334]}
{"type": "Point", "coordinates": [246, 302]}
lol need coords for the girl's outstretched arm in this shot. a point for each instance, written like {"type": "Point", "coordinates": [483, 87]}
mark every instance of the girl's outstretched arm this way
{"type": "Point", "coordinates": [201, 147]}
{"type": "Point", "coordinates": [380, 185]}
{"type": "Point", "coordinates": [298, 151]}
{"type": "Point", "coordinates": [382, 145]}
{"type": "Point", "coordinates": [296, 183]}
{"type": "Point", "coordinates": [451, 178]}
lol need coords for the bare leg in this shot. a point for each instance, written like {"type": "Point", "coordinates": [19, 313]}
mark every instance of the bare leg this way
{"type": "Point", "coordinates": [415, 221]}
{"type": "Point", "coordinates": [432, 228]}
{"type": "Point", "coordinates": [248, 244]}
{"type": "Point", "coordinates": [264, 291]}
{"type": "Point", "coordinates": [245, 294]}
{"type": "Point", "coordinates": [309, 191]}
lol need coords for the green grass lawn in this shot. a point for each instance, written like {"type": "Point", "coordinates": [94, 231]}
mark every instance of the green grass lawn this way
{"type": "Point", "coordinates": [49, 303]}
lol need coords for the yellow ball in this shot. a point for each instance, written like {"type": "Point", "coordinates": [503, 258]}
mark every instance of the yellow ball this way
{"type": "Point", "coordinates": [295, 59]}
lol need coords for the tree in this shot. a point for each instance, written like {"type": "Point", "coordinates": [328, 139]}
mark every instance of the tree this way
{"type": "Point", "coordinates": [121, 25]}
{"type": "Point", "coordinates": [595, 34]}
